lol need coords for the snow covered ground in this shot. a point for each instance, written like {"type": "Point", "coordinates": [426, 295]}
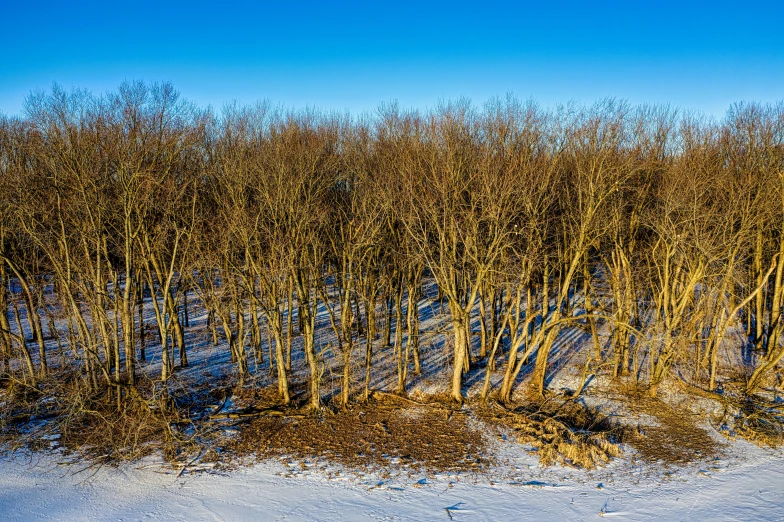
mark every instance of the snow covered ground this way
{"type": "Point", "coordinates": [746, 485]}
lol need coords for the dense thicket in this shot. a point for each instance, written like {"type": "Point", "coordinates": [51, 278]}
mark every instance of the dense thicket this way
{"type": "Point", "coordinates": [659, 233]}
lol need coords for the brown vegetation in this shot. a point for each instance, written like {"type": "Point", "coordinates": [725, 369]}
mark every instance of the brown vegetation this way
{"type": "Point", "coordinates": [378, 435]}
{"type": "Point", "coordinates": [308, 239]}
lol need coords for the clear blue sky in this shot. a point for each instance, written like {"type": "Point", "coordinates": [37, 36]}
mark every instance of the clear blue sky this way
{"type": "Point", "coordinates": [356, 55]}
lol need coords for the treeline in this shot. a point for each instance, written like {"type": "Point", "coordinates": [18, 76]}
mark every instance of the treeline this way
{"type": "Point", "coordinates": [657, 232]}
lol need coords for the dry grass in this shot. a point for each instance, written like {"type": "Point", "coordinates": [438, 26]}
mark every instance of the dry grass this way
{"type": "Point", "coordinates": [61, 412]}
{"type": "Point", "coordinates": [429, 433]}
{"type": "Point", "coordinates": [564, 432]}
{"type": "Point", "coordinates": [381, 434]}
{"type": "Point", "coordinates": [757, 420]}
{"type": "Point", "coordinates": [102, 431]}
{"type": "Point", "coordinates": [676, 436]}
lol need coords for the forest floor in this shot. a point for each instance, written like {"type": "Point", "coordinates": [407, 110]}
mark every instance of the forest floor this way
{"type": "Point", "coordinates": [296, 470]}
{"type": "Point", "coordinates": [612, 451]}
{"type": "Point", "coordinates": [416, 458]}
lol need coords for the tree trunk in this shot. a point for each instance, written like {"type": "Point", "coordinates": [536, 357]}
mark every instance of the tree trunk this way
{"type": "Point", "coordinates": [460, 353]}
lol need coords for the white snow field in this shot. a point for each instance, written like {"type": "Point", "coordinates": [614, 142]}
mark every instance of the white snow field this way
{"type": "Point", "coordinates": [747, 484]}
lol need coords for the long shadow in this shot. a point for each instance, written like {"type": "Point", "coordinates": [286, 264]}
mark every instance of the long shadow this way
{"type": "Point", "coordinates": [565, 349]}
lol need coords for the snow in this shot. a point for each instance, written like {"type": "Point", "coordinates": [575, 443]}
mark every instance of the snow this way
{"type": "Point", "coordinates": [746, 485]}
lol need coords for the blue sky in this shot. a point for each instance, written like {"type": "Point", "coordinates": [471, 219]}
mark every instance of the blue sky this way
{"type": "Point", "coordinates": [354, 55]}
